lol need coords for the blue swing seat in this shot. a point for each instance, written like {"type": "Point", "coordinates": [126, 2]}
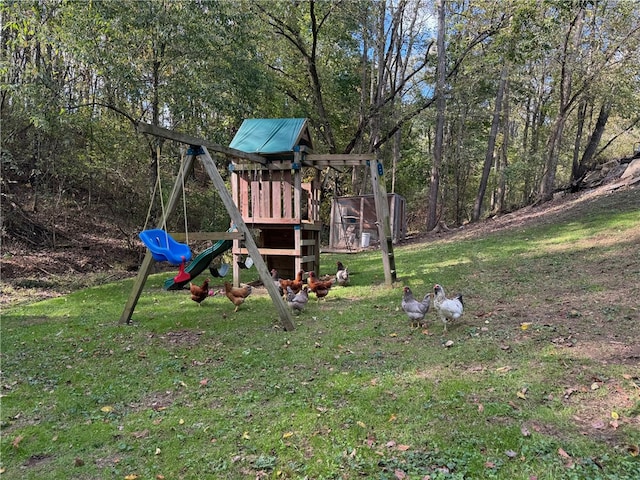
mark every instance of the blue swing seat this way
{"type": "Point", "coordinates": [164, 248]}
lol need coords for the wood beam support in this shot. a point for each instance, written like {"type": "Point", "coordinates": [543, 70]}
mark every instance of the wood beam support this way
{"type": "Point", "coordinates": [148, 261]}
{"type": "Point", "coordinates": [236, 218]}
{"type": "Point", "coordinates": [384, 226]}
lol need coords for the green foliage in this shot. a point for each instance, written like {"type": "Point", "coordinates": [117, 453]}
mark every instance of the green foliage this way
{"type": "Point", "coordinates": [76, 75]}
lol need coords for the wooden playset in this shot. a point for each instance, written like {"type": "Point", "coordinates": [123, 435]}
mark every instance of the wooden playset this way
{"type": "Point", "coordinates": [274, 204]}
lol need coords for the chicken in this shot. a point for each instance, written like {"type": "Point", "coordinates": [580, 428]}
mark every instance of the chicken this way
{"type": "Point", "coordinates": [342, 275]}
{"type": "Point", "coordinates": [276, 280]}
{"type": "Point", "coordinates": [296, 284]}
{"type": "Point", "coordinates": [199, 293]}
{"type": "Point", "coordinates": [297, 302]}
{"type": "Point", "coordinates": [237, 295]}
{"type": "Point", "coordinates": [414, 309]}
{"type": "Point", "coordinates": [319, 287]}
{"type": "Point", "coordinates": [448, 308]}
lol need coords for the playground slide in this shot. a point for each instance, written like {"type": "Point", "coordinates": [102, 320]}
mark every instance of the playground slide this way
{"type": "Point", "coordinates": [199, 263]}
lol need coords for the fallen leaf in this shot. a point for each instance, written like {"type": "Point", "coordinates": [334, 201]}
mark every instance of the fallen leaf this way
{"type": "Point", "coordinates": [595, 386]}
{"type": "Point", "coordinates": [287, 434]}
{"type": "Point", "coordinates": [563, 454]}
{"type": "Point", "coordinates": [393, 334]}
{"type": "Point", "coordinates": [449, 343]}
{"type": "Point", "coordinates": [133, 476]}
{"type": "Point", "coordinates": [390, 444]}
{"type": "Point", "coordinates": [246, 436]}
{"type": "Point", "coordinates": [393, 418]}
{"type": "Point", "coordinates": [181, 421]}
{"type": "Point", "coordinates": [403, 448]}
{"type": "Point", "coordinates": [399, 474]}
{"type": "Point", "coordinates": [361, 424]}
{"type": "Point", "coordinates": [204, 382]}
{"type": "Point", "coordinates": [107, 409]}
{"type": "Point", "coordinates": [521, 394]}
{"type": "Point", "coordinates": [525, 325]}
{"type": "Point", "coordinates": [489, 465]}
{"type": "Point", "coordinates": [525, 431]}
{"type": "Point", "coordinates": [511, 454]}
{"type": "Point", "coordinates": [480, 408]}
{"type": "Point", "coordinates": [159, 477]}
{"type": "Point", "coordinates": [158, 451]}
{"type": "Point", "coordinates": [614, 424]}
{"type": "Point", "coordinates": [504, 369]}
{"type": "Point", "coordinates": [16, 441]}
{"type": "Point", "coordinates": [615, 415]}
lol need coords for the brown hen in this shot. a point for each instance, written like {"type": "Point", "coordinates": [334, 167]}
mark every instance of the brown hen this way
{"type": "Point", "coordinates": [199, 293]}
{"type": "Point", "coordinates": [317, 286]}
{"type": "Point", "coordinates": [237, 295]}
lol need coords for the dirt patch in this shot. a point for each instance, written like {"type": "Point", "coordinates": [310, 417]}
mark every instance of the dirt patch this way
{"type": "Point", "coordinates": [37, 460]}
{"type": "Point", "coordinates": [180, 339]}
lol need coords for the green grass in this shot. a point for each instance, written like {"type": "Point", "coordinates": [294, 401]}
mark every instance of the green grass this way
{"type": "Point", "coordinates": [200, 392]}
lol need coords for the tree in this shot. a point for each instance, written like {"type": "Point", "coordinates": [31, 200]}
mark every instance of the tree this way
{"type": "Point", "coordinates": [434, 184]}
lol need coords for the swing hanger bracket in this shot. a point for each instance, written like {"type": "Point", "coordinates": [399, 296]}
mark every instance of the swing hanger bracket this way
{"type": "Point", "coordinates": [195, 150]}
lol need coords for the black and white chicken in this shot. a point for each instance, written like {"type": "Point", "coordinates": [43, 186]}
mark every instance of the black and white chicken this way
{"type": "Point", "coordinates": [342, 275]}
{"type": "Point", "coordinates": [414, 309]}
{"type": "Point", "coordinates": [448, 308]}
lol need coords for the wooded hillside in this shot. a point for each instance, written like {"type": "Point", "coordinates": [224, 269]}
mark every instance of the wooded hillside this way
{"type": "Point", "coordinates": [531, 96]}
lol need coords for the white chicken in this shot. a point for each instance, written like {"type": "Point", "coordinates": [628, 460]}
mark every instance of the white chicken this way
{"type": "Point", "coordinates": [448, 308]}
{"type": "Point", "coordinates": [414, 309]}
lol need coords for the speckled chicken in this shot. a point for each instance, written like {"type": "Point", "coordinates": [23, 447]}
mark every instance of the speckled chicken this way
{"type": "Point", "coordinates": [275, 277]}
{"type": "Point", "coordinates": [448, 308]}
{"type": "Point", "coordinates": [414, 309]}
{"type": "Point", "coordinates": [298, 301]}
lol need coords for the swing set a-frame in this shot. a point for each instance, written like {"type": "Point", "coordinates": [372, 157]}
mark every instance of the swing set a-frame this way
{"type": "Point", "coordinates": [199, 149]}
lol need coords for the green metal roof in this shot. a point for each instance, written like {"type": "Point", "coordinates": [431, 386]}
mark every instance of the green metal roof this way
{"type": "Point", "coordinates": [271, 135]}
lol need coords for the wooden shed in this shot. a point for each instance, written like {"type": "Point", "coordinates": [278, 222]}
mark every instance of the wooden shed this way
{"type": "Point", "coordinates": [353, 221]}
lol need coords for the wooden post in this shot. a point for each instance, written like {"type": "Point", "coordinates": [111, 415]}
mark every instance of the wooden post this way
{"type": "Point", "coordinates": [145, 268]}
{"type": "Point", "coordinates": [382, 214]}
{"type": "Point", "coordinates": [254, 252]}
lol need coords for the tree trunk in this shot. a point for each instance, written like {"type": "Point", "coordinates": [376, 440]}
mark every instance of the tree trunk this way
{"type": "Point", "coordinates": [582, 114]}
{"type": "Point", "coordinates": [580, 169]}
{"type": "Point", "coordinates": [503, 159]}
{"type": "Point", "coordinates": [434, 185]}
{"type": "Point", "coordinates": [488, 159]}
{"type": "Point", "coordinates": [566, 101]}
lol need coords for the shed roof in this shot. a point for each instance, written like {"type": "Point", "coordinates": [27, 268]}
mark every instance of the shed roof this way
{"type": "Point", "coordinates": [271, 135]}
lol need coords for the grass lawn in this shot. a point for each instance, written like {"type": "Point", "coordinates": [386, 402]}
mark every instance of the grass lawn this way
{"type": "Point", "coordinates": [540, 379]}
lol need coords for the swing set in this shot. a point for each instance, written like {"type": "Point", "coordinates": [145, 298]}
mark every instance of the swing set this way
{"type": "Point", "coordinates": [267, 191]}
